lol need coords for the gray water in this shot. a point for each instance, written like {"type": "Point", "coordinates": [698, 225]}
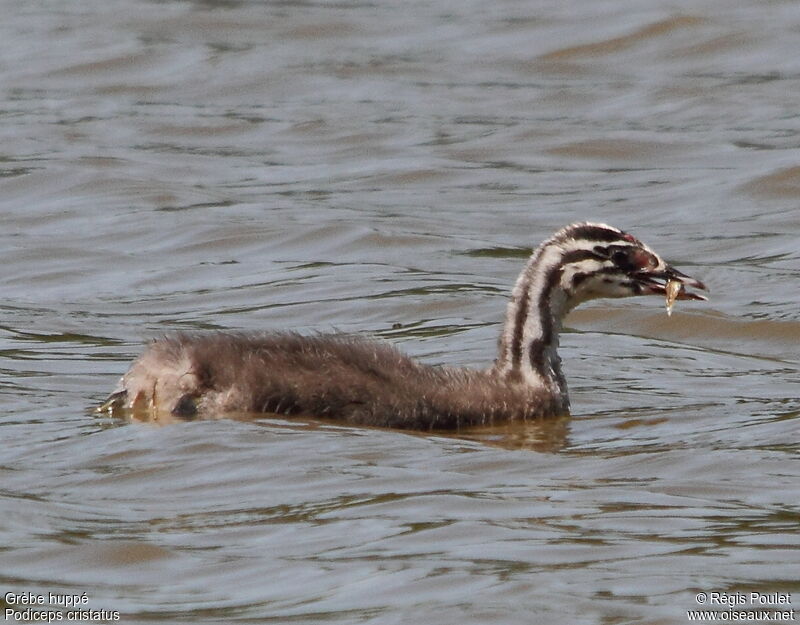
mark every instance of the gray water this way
{"type": "Point", "coordinates": [358, 165]}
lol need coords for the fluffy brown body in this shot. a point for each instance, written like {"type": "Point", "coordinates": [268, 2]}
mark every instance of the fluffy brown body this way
{"type": "Point", "coordinates": [353, 380]}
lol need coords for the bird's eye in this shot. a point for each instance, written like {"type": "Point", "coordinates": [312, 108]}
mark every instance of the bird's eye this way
{"type": "Point", "coordinates": [620, 258]}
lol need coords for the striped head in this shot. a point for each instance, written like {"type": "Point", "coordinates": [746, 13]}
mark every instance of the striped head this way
{"type": "Point", "coordinates": [581, 262]}
{"type": "Point", "coordinates": [595, 261]}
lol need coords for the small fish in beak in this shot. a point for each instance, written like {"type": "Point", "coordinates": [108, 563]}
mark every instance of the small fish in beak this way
{"type": "Point", "coordinates": [672, 284]}
{"type": "Point", "coordinates": [671, 292]}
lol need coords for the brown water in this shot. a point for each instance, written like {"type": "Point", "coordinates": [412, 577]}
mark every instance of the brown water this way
{"type": "Point", "coordinates": [355, 165]}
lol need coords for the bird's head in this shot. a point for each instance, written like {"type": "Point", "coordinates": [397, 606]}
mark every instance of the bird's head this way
{"type": "Point", "coordinates": [598, 261]}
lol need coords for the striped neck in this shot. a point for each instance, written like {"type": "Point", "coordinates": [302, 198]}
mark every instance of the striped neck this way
{"type": "Point", "coordinates": [529, 343]}
{"type": "Point", "coordinates": [581, 262]}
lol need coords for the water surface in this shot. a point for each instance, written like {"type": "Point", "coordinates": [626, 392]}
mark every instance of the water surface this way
{"type": "Point", "coordinates": [355, 166]}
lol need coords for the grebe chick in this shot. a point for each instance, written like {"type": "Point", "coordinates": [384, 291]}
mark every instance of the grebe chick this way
{"type": "Point", "coordinates": [363, 382]}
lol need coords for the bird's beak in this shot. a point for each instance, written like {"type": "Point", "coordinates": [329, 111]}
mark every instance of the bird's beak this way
{"type": "Point", "coordinates": [655, 283]}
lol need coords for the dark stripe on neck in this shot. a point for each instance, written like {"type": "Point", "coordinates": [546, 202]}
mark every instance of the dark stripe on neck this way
{"type": "Point", "coordinates": [539, 344]}
{"type": "Point", "coordinates": [519, 324]}
{"type": "Point", "coordinates": [536, 356]}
